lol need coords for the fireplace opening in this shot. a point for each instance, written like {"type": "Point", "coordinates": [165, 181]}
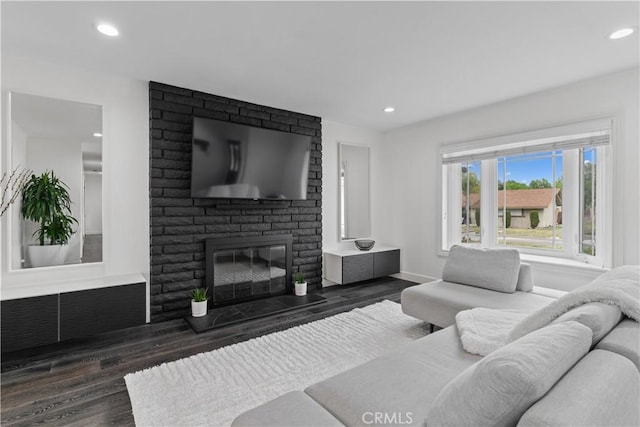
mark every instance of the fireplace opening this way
{"type": "Point", "coordinates": [247, 268]}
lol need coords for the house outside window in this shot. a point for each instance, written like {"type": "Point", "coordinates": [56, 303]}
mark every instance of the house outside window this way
{"type": "Point", "coordinates": [543, 192]}
{"type": "Point", "coordinates": [470, 180]}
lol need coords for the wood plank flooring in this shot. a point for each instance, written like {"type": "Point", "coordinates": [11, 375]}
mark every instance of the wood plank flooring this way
{"type": "Point", "coordinates": [81, 382]}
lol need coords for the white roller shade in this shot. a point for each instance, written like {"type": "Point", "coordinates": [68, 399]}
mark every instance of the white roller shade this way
{"type": "Point", "coordinates": [586, 134]}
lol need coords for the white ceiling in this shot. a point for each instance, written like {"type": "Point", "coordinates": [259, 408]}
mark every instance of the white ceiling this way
{"type": "Point", "coordinates": [55, 119]}
{"type": "Point", "coordinates": [60, 121]}
{"type": "Point", "coordinates": [343, 61]}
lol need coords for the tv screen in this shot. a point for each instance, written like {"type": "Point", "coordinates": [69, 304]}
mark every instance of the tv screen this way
{"type": "Point", "coordinates": [232, 160]}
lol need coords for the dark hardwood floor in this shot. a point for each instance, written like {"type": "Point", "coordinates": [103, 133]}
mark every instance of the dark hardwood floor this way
{"type": "Point", "coordinates": [81, 382]}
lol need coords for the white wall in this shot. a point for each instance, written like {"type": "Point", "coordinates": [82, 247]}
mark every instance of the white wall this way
{"type": "Point", "coordinates": [19, 149]}
{"type": "Point", "coordinates": [411, 167]}
{"type": "Point", "coordinates": [125, 175]}
{"type": "Point", "coordinates": [93, 203]}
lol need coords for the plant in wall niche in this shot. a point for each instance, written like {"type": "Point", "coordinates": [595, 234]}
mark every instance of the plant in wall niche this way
{"type": "Point", "coordinates": [46, 201]}
{"type": "Point", "coordinates": [199, 302]}
{"type": "Point", "coordinates": [300, 284]}
{"type": "Point", "coordinates": [10, 187]}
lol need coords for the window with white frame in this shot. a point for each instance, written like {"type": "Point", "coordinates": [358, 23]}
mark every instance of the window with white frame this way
{"type": "Point", "coordinates": [544, 192]}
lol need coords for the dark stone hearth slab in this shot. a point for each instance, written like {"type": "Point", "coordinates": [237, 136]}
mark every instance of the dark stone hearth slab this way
{"type": "Point", "coordinates": [223, 316]}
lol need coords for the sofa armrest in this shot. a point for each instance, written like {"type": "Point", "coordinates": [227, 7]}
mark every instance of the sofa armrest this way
{"type": "Point", "coordinates": [525, 278]}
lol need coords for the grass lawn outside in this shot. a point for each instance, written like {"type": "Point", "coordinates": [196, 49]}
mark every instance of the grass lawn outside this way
{"type": "Point", "coordinates": [538, 233]}
{"type": "Point", "coordinates": [540, 238]}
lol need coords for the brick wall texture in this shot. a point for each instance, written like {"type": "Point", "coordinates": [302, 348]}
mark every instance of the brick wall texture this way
{"type": "Point", "coordinates": [180, 224]}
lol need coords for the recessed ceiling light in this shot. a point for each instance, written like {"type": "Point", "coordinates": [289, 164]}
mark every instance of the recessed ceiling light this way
{"type": "Point", "coordinates": [108, 30]}
{"type": "Point", "coordinates": [389, 109]}
{"type": "Point", "coordinates": [624, 32]}
{"type": "Point", "coordinates": [97, 135]}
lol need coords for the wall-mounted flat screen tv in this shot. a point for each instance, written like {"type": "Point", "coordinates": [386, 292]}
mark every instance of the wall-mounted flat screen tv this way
{"type": "Point", "coordinates": [233, 160]}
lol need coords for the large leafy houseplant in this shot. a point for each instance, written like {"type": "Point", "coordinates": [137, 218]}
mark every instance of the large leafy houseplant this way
{"type": "Point", "coordinates": [46, 201]}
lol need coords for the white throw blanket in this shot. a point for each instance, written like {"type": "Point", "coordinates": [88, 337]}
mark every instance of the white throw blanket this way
{"type": "Point", "coordinates": [483, 330]}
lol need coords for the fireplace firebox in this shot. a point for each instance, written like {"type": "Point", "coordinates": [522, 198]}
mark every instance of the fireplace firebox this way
{"type": "Point", "coordinates": [246, 268]}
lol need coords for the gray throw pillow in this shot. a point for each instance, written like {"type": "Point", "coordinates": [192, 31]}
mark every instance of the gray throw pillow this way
{"type": "Point", "coordinates": [494, 269]}
{"type": "Point", "coordinates": [599, 317]}
{"type": "Point", "coordinates": [498, 389]}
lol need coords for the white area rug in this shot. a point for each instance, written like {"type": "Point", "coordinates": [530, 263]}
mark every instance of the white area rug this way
{"type": "Point", "coordinates": [213, 388]}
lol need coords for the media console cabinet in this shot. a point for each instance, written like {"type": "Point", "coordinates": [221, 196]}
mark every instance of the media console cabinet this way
{"type": "Point", "coordinates": [47, 319]}
{"type": "Point", "coordinates": [353, 265]}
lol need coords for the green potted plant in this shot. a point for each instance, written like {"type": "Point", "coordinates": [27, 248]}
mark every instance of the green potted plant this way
{"type": "Point", "coordinates": [46, 201]}
{"type": "Point", "coordinates": [199, 302]}
{"type": "Point", "coordinates": [300, 284]}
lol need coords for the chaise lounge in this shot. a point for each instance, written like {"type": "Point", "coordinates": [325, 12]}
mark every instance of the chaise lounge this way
{"type": "Point", "coordinates": [472, 277]}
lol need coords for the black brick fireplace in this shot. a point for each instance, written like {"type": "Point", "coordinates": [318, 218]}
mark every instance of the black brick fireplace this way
{"type": "Point", "coordinates": [181, 224]}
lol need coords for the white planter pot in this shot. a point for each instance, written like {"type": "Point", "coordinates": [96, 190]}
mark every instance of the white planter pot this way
{"type": "Point", "coordinates": [301, 289]}
{"type": "Point", "coordinates": [198, 309]}
{"type": "Point", "coordinates": [43, 256]}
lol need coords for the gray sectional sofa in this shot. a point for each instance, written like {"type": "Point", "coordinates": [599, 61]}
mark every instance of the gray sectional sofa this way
{"type": "Point", "coordinates": [556, 375]}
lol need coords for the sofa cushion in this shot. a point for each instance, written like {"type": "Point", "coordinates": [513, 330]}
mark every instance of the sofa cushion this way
{"type": "Point", "coordinates": [495, 269]}
{"type": "Point", "coordinates": [497, 390]}
{"type": "Point", "coordinates": [624, 339]}
{"type": "Point", "coordinates": [525, 278]}
{"type": "Point", "coordinates": [401, 384]}
{"type": "Point", "coordinates": [292, 409]}
{"type": "Point", "coordinates": [601, 390]}
{"type": "Point", "coordinates": [438, 302]}
{"type": "Point", "coordinates": [600, 318]}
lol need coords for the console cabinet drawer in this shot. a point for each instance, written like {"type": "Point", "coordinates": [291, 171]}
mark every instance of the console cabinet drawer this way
{"type": "Point", "coordinates": [29, 322]}
{"type": "Point", "coordinates": [386, 263]}
{"type": "Point", "coordinates": [357, 268]}
{"type": "Point", "coordinates": [34, 321]}
{"type": "Point", "coordinates": [353, 266]}
{"type": "Point", "coordinates": [94, 311]}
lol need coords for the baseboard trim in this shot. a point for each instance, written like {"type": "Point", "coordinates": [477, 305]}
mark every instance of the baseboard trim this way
{"type": "Point", "coordinates": [411, 277]}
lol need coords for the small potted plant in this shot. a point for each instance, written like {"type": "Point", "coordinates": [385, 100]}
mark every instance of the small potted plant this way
{"type": "Point", "coordinates": [199, 302]}
{"type": "Point", "coordinates": [46, 201]}
{"type": "Point", "coordinates": [300, 284]}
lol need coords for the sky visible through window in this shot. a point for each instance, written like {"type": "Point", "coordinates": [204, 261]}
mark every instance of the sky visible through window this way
{"type": "Point", "coordinates": [527, 168]}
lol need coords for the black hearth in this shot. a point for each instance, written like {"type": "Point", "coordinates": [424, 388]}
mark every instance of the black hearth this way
{"type": "Point", "coordinates": [246, 268]}
{"type": "Point", "coordinates": [246, 311]}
